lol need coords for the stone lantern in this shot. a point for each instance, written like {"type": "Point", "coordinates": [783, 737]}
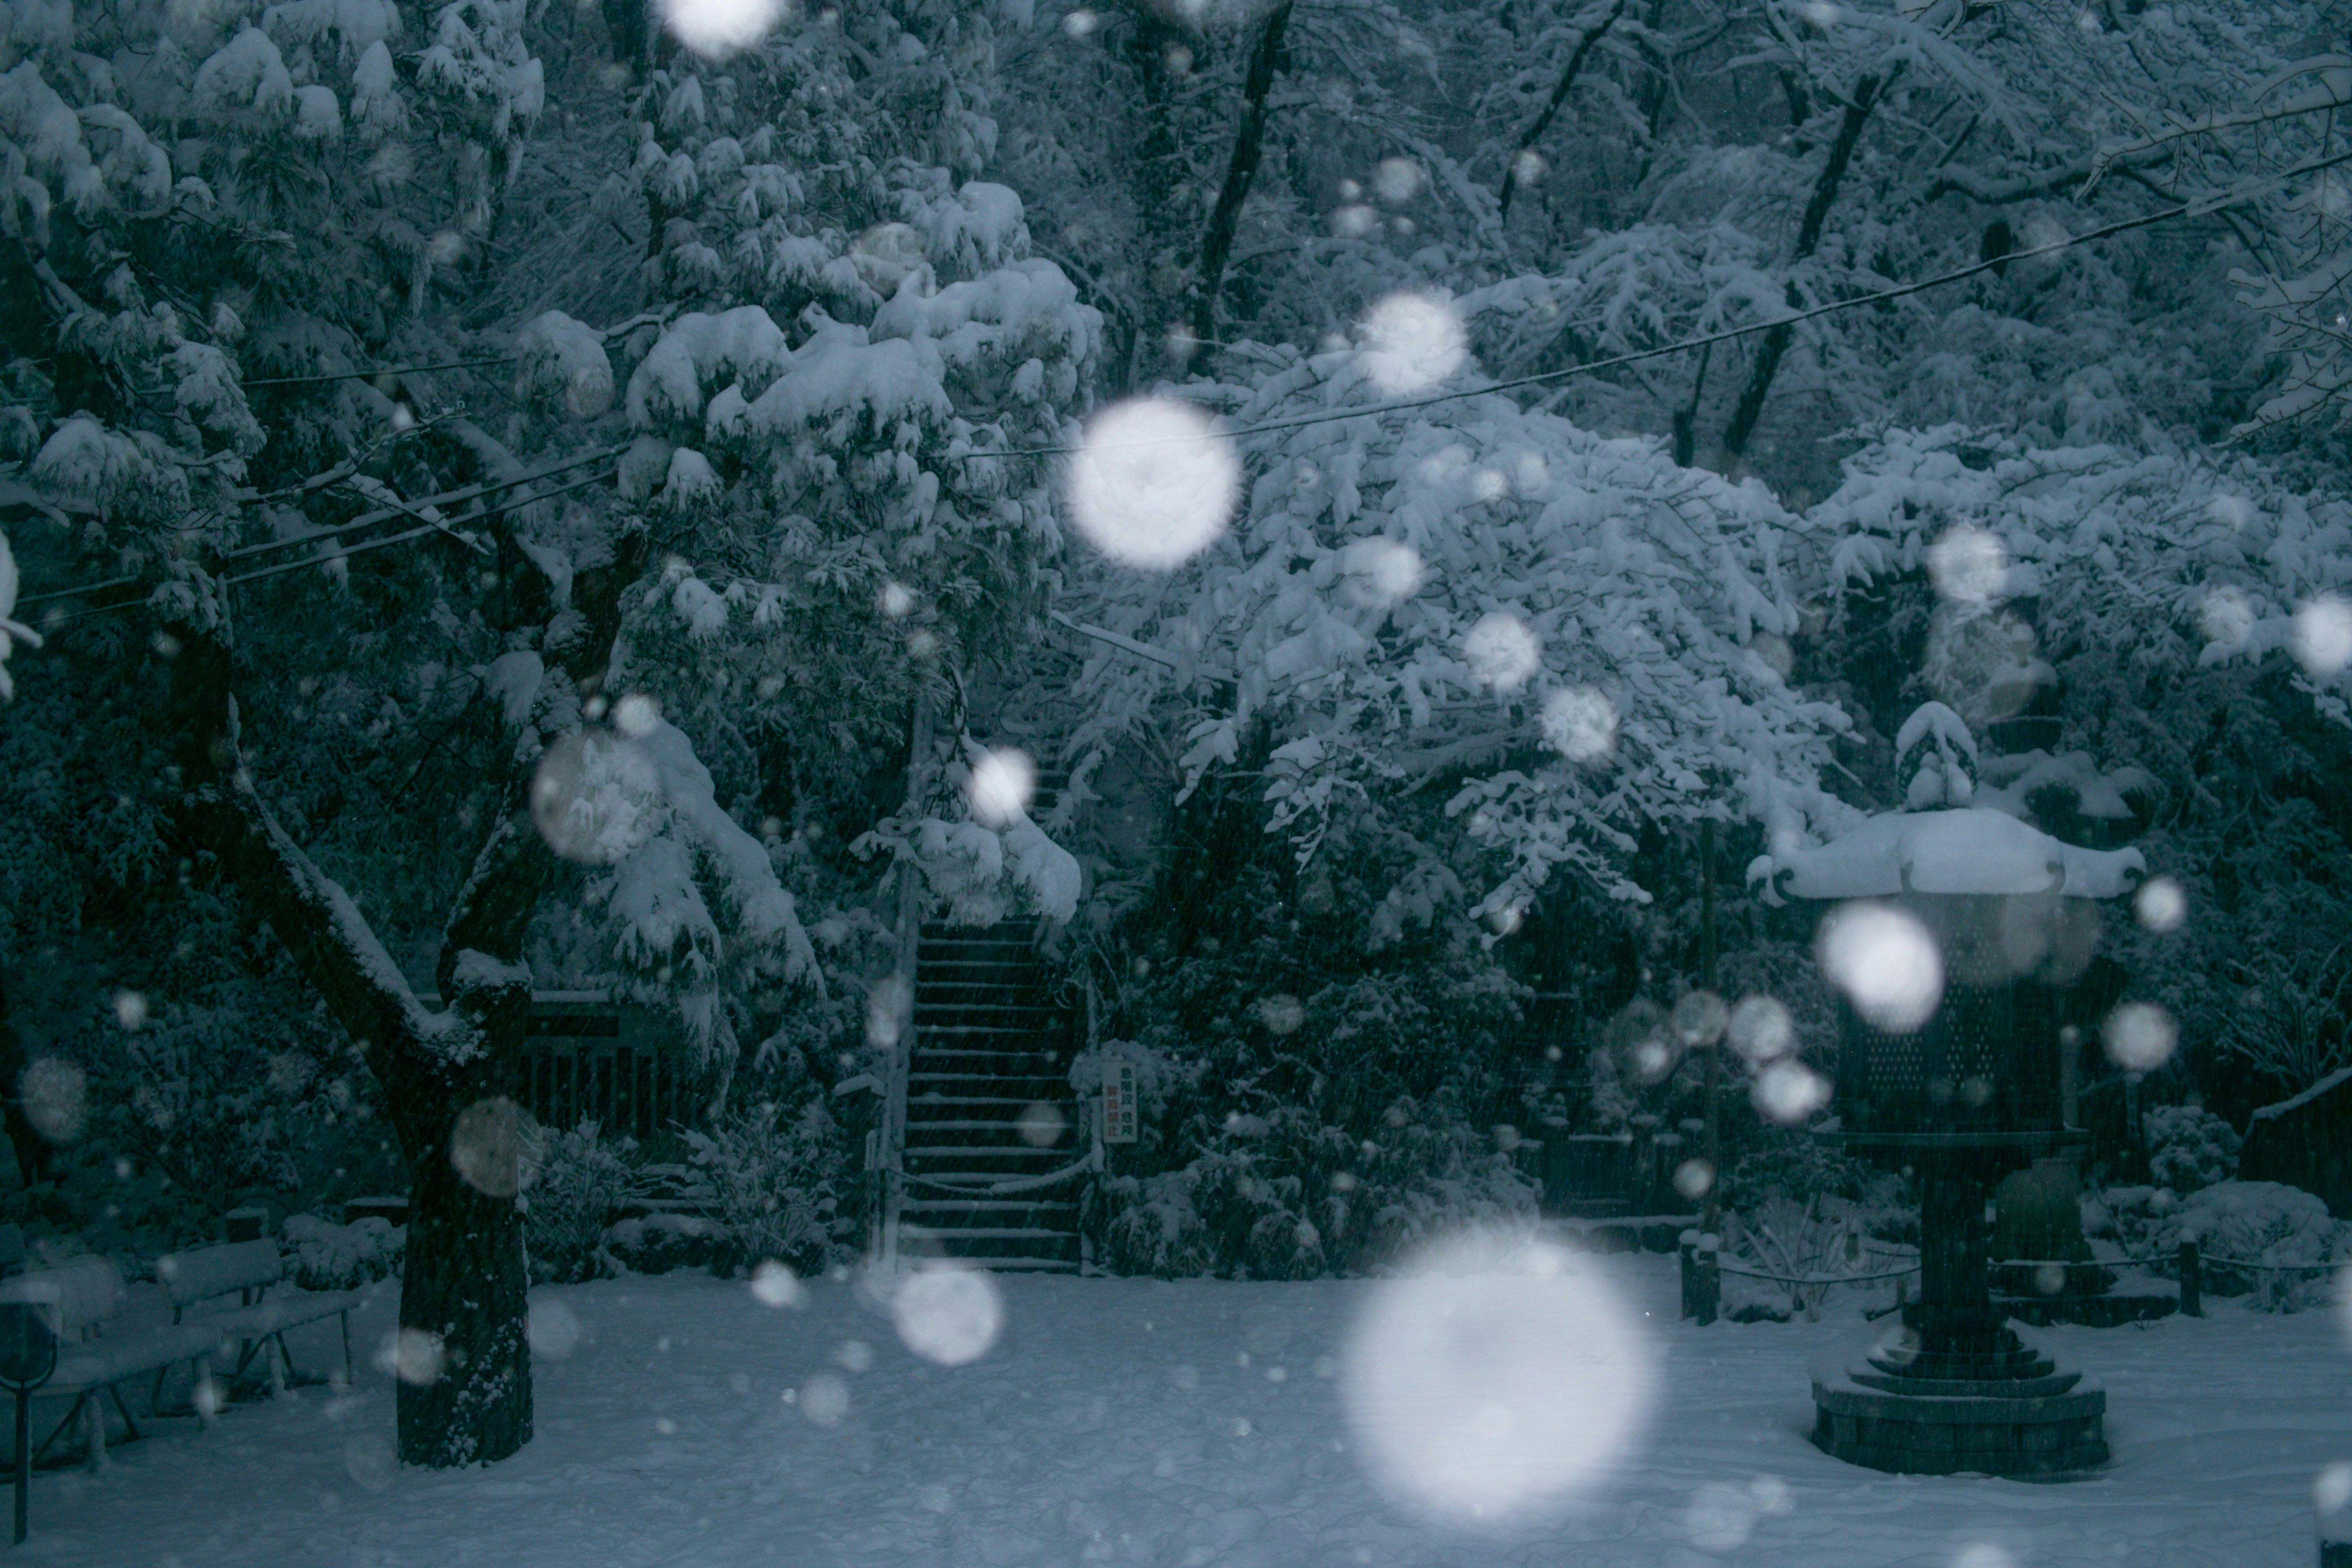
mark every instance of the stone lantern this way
{"type": "Point", "coordinates": [1957, 933]}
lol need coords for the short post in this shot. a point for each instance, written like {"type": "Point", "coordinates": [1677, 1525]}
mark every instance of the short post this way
{"type": "Point", "coordinates": [2335, 1520]}
{"type": "Point", "coordinates": [28, 1354]}
{"type": "Point", "coordinates": [2192, 1280]}
{"type": "Point", "coordinates": [1702, 1269]}
{"type": "Point", "coordinates": [24, 1464]}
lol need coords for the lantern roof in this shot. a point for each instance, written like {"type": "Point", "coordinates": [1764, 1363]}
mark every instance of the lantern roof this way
{"type": "Point", "coordinates": [1969, 850]}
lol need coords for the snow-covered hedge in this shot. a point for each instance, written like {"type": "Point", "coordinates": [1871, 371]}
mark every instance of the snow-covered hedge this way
{"type": "Point", "coordinates": [1294, 1124]}
{"type": "Point", "coordinates": [2190, 1148]}
{"type": "Point", "coordinates": [780, 1184]}
{"type": "Point", "coordinates": [582, 1177]}
{"type": "Point", "coordinates": [2252, 1222]}
{"type": "Point", "coordinates": [330, 1256]}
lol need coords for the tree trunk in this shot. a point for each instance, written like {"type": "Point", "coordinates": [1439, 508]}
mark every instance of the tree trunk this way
{"type": "Point", "coordinates": [1249, 145]}
{"type": "Point", "coordinates": [1534, 132]}
{"type": "Point", "coordinates": [1809, 237]}
{"type": "Point", "coordinates": [465, 1393]}
{"type": "Point", "coordinates": [32, 1150]}
{"type": "Point", "coordinates": [463, 1359]}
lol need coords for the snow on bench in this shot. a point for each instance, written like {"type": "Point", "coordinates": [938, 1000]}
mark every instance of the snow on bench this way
{"type": "Point", "coordinates": [81, 1299]}
{"type": "Point", "coordinates": [246, 1270]}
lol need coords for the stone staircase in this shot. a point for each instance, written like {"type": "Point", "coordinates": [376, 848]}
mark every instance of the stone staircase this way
{"type": "Point", "coordinates": [989, 1100]}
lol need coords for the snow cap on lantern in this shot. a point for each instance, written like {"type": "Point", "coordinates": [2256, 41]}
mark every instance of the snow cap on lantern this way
{"type": "Point", "coordinates": [1958, 932]}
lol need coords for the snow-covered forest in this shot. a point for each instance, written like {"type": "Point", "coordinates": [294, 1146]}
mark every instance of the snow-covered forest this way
{"type": "Point", "coordinates": [566, 569]}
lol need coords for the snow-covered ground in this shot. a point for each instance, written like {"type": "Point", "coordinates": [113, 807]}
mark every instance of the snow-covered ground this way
{"type": "Point", "coordinates": [1138, 1422]}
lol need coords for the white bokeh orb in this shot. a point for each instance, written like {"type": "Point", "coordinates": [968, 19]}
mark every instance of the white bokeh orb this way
{"type": "Point", "coordinates": [1397, 180]}
{"type": "Point", "coordinates": [1411, 342]}
{"type": "Point", "coordinates": [1497, 1380]}
{"type": "Point", "coordinates": [2139, 1036]}
{"type": "Point", "coordinates": [553, 1329]}
{"type": "Point", "coordinates": [773, 1284]}
{"type": "Point", "coordinates": [1579, 722]}
{"type": "Point", "coordinates": [55, 1096]}
{"type": "Point", "coordinates": [718, 28]}
{"type": "Point", "coordinates": [947, 1315]}
{"type": "Point", "coordinates": [1966, 565]}
{"type": "Point", "coordinates": [2161, 905]}
{"type": "Point", "coordinates": [2323, 635]}
{"type": "Point", "coordinates": [1002, 785]}
{"type": "Point", "coordinates": [1380, 573]}
{"type": "Point", "coordinates": [2226, 616]}
{"type": "Point", "coordinates": [1501, 651]}
{"type": "Point", "coordinates": [595, 797]}
{"type": "Point", "coordinates": [1153, 483]}
{"type": "Point", "coordinates": [1885, 963]}
{"type": "Point", "coordinates": [1762, 1029]}
{"type": "Point", "coordinates": [1788, 1092]}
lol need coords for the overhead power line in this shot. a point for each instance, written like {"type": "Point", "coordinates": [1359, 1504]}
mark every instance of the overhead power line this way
{"type": "Point", "coordinates": [345, 553]}
{"type": "Point", "coordinates": [370, 518]}
{"type": "Point", "coordinates": [2200, 208]}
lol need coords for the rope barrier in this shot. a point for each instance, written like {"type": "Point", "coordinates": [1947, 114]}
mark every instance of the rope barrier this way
{"type": "Point", "coordinates": [2164, 1260]}
{"type": "Point", "coordinates": [1011, 1184]}
{"type": "Point", "coordinates": [1817, 1279]}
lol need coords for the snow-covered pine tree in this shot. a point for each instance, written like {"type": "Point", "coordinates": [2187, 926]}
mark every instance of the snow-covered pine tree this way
{"type": "Point", "coordinates": [824, 434]}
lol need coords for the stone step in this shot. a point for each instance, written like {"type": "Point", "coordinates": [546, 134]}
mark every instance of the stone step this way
{"type": "Point", "coordinates": [1969, 1388]}
{"type": "Point", "coordinates": [1029, 1018]}
{"type": "Point", "coordinates": [987, 1064]}
{"type": "Point", "coordinates": [978, 1034]}
{"type": "Point", "coordinates": [946, 948]}
{"type": "Point", "coordinates": [990, 1245]}
{"type": "Point", "coordinates": [961, 1212]}
{"type": "Point", "coordinates": [1989, 1368]}
{"type": "Point", "coordinates": [1026, 1265]}
{"type": "Point", "coordinates": [970, 1134]}
{"type": "Point", "coordinates": [978, 992]}
{"type": "Point", "coordinates": [998, 1086]}
{"type": "Point", "coordinates": [927, 1232]}
{"type": "Point", "coordinates": [945, 1160]}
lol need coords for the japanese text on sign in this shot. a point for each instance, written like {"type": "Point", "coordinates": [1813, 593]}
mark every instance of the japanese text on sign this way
{"type": "Point", "coordinates": [1119, 1102]}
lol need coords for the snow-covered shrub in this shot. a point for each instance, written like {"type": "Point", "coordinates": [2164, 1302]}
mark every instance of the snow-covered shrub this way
{"type": "Point", "coordinates": [660, 1242]}
{"type": "Point", "coordinates": [2232, 1222]}
{"type": "Point", "coordinates": [222, 1108]}
{"type": "Point", "coordinates": [1577, 634]}
{"type": "Point", "coordinates": [580, 1178]}
{"type": "Point", "coordinates": [778, 1183]}
{"type": "Point", "coordinates": [1798, 1170]}
{"type": "Point", "coordinates": [330, 1256]}
{"type": "Point", "coordinates": [1305, 1109]}
{"type": "Point", "coordinates": [1284, 1197]}
{"type": "Point", "coordinates": [1821, 1237]}
{"type": "Point", "coordinates": [2190, 1147]}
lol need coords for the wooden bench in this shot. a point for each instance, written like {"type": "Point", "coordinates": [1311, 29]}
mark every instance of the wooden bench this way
{"type": "Point", "coordinates": [81, 1299]}
{"type": "Point", "coordinates": [246, 1270]}
{"type": "Point", "coordinates": [86, 1296]}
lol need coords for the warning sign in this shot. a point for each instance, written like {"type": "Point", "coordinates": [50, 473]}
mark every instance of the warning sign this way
{"type": "Point", "coordinates": [1119, 1102]}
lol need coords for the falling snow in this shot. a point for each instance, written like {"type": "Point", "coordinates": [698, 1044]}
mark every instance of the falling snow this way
{"type": "Point", "coordinates": [1110, 1422]}
{"type": "Point", "coordinates": [1153, 484]}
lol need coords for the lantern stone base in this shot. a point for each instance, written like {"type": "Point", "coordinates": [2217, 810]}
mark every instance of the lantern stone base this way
{"type": "Point", "coordinates": [1883, 1404]}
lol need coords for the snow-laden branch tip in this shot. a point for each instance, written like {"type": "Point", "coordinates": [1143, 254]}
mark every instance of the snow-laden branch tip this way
{"type": "Point", "coordinates": [12, 631]}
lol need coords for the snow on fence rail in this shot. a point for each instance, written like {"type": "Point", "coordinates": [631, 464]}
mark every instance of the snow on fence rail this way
{"type": "Point", "coordinates": [1702, 1270]}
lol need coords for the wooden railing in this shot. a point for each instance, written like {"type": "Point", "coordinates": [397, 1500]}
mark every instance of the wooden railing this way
{"type": "Point", "coordinates": [892, 1174]}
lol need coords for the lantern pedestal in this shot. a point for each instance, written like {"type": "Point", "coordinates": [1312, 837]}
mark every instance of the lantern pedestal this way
{"type": "Point", "coordinates": [1953, 1388]}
